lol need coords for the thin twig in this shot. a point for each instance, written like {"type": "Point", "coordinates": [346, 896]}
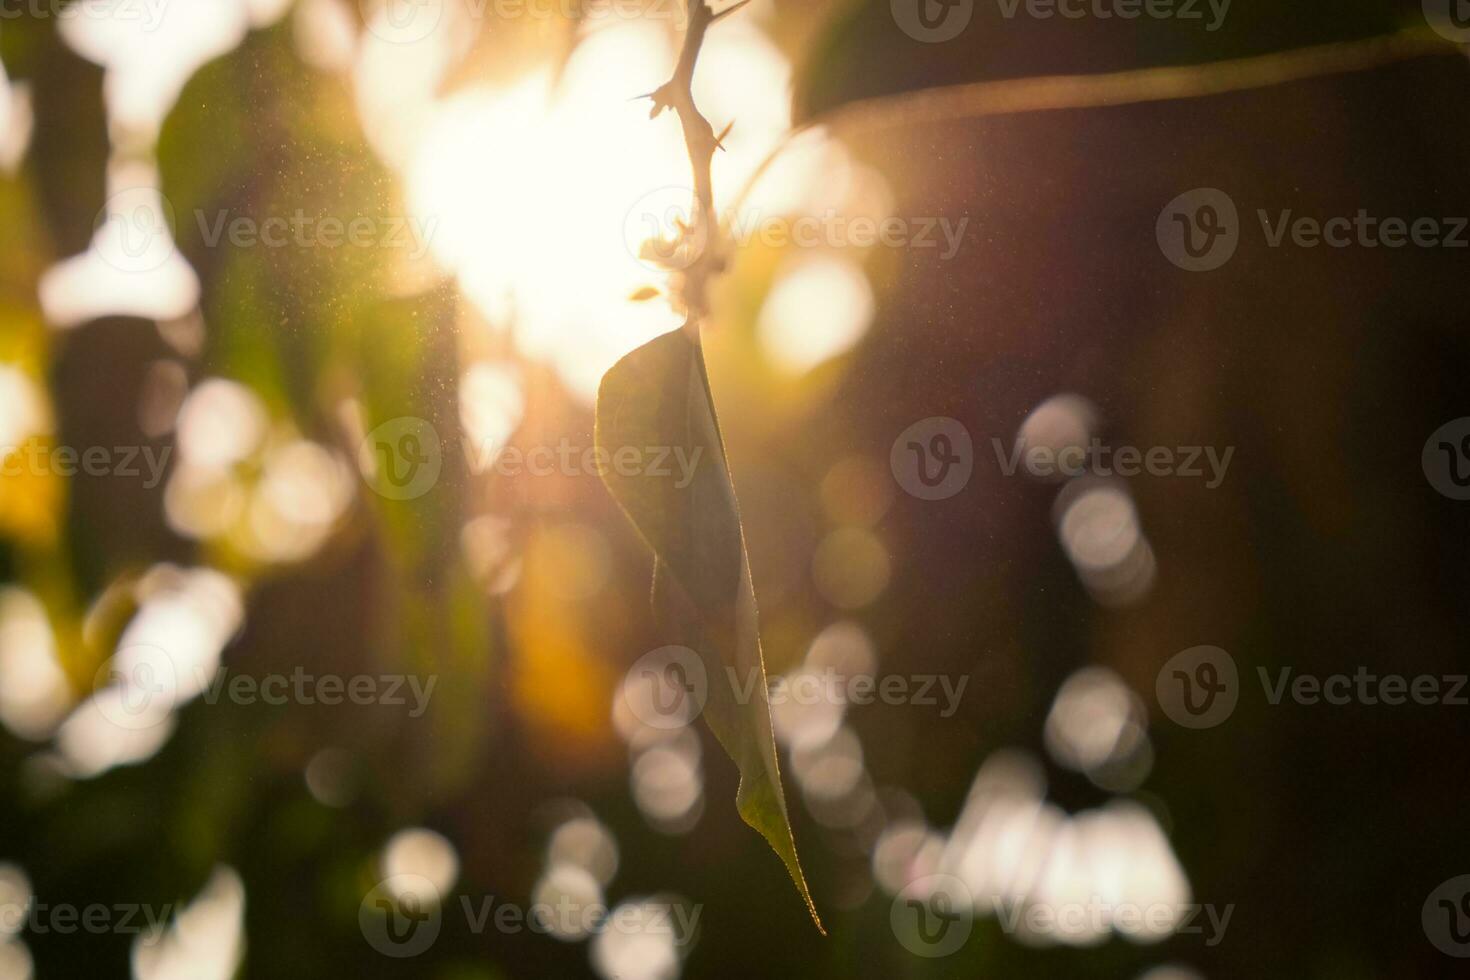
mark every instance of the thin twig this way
{"type": "Point", "coordinates": [700, 140]}
{"type": "Point", "coordinates": [975, 100]}
{"type": "Point", "coordinates": [1193, 81]}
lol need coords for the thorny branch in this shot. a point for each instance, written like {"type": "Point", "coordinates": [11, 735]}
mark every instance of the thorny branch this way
{"type": "Point", "coordinates": [700, 139]}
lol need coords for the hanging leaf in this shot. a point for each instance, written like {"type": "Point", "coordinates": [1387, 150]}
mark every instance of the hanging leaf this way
{"type": "Point", "coordinates": [659, 396]}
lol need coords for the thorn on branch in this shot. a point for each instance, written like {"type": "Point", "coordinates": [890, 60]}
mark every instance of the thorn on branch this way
{"type": "Point", "coordinates": [720, 139]}
{"type": "Point", "coordinates": [728, 11]}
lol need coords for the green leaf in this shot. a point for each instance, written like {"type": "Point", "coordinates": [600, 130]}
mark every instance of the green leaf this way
{"type": "Point", "coordinates": [659, 396]}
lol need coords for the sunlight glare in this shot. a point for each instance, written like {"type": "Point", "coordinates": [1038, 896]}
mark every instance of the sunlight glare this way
{"type": "Point", "coordinates": [817, 309]}
{"type": "Point", "coordinates": [534, 187]}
